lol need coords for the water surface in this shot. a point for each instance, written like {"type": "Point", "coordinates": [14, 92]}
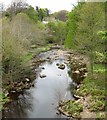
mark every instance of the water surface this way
{"type": "Point", "coordinates": [41, 100]}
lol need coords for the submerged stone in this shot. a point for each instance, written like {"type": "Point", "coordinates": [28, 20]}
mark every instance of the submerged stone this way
{"type": "Point", "coordinates": [42, 75]}
{"type": "Point", "coordinates": [61, 66]}
{"type": "Point", "coordinates": [57, 64]}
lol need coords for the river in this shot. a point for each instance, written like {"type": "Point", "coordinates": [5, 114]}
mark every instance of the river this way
{"type": "Point", "coordinates": [41, 100]}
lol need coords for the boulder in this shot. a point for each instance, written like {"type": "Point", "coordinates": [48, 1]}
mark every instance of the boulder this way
{"type": "Point", "coordinates": [27, 80]}
{"type": "Point", "coordinates": [57, 64]}
{"type": "Point", "coordinates": [42, 68]}
{"type": "Point", "coordinates": [55, 47]}
{"type": "Point", "coordinates": [85, 75]}
{"type": "Point", "coordinates": [76, 72]}
{"type": "Point", "coordinates": [42, 75]}
{"type": "Point", "coordinates": [61, 66]}
{"type": "Point", "coordinates": [48, 58]}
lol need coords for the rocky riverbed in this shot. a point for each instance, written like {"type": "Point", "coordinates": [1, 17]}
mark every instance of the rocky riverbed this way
{"type": "Point", "coordinates": [75, 61]}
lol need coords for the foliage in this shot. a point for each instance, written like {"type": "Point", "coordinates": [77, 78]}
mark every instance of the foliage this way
{"type": "Point", "coordinates": [12, 53]}
{"type": "Point", "coordinates": [84, 22]}
{"type": "Point", "coordinates": [42, 13]}
{"type": "Point", "coordinates": [20, 6]}
{"type": "Point", "coordinates": [70, 41]}
{"type": "Point", "coordinates": [61, 15]}
{"type": "Point", "coordinates": [94, 87]}
{"type": "Point", "coordinates": [3, 100]}
{"type": "Point", "coordinates": [73, 108]}
{"type": "Point", "coordinates": [16, 7]}
{"type": "Point", "coordinates": [27, 31]}
{"type": "Point", "coordinates": [57, 32]}
{"type": "Point", "coordinates": [19, 35]}
{"type": "Point", "coordinates": [32, 13]}
{"type": "Point", "coordinates": [99, 68]}
{"type": "Point", "coordinates": [100, 57]}
{"type": "Point", "coordinates": [103, 34]}
{"type": "Point", "coordinates": [97, 105]}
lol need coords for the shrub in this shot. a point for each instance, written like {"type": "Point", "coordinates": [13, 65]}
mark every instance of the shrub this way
{"type": "Point", "coordinates": [12, 53]}
{"type": "Point", "coordinates": [100, 57]}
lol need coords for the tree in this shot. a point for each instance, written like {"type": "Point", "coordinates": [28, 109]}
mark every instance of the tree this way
{"type": "Point", "coordinates": [47, 12]}
{"type": "Point", "coordinates": [16, 7]}
{"type": "Point", "coordinates": [84, 22]}
{"type": "Point", "coordinates": [61, 15]}
{"type": "Point", "coordinates": [42, 13]}
{"type": "Point", "coordinates": [70, 41]}
{"type": "Point", "coordinates": [91, 20]}
{"type": "Point", "coordinates": [57, 32]}
{"type": "Point", "coordinates": [32, 13]}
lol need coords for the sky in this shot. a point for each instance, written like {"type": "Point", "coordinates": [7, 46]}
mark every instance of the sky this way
{"type": "Point", "coordinates": [52, 5]}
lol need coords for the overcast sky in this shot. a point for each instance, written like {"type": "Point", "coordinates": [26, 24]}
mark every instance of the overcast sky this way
{"type": "Point", "coordinates": [53, 5]}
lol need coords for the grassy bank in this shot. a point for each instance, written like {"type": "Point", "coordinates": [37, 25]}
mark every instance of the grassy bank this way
{"type": "Point", "coordinates": [26, 61]}
{"type": "Point", "coordinates": [3, 99]}
{"type": "Point", "coordinates": [92, 91]}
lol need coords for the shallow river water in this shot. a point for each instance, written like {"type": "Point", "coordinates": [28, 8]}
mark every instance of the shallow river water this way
{"type": "Point", "coordinates": [41, 100]}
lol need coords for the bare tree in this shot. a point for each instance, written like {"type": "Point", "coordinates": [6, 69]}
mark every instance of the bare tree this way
{"type": "Point", "coordinates": [17, 6]}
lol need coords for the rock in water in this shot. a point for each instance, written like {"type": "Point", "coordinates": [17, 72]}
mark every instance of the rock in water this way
{"type": "Point", "coordinates": [57, 64]}
{"type": "Point", "coordinates": [61, 66]}
{"type": "Point", "coordinates": [42, 75]}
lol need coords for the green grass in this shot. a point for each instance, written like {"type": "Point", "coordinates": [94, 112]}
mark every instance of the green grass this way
{"type": "Point", "coordinates": [100, 116]}
{"type": "Point", "coordinates": [73, 108]}
{"type": "Point", "coordinates": [97, 105]}
{"type": "Point", "coordinates": [99, 68]}
{"type": "Point", "coordinates": [94, 87]}
{"type": "Point", "coordinates": [37, 50]}
{"type": "Point", "coordinates": [3, 100]}
{"type": "Point", "coordinates": [27, 57]}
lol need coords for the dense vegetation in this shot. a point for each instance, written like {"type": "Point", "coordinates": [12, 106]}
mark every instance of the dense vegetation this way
{"type": "Point", "coordinates": [23, 30]}
{"type": "Point", "coordinates": [23, 36]}
{"type": "Point", "coordinates": [85, 22]}
{"type": "Point", "coordinates": [86, 34]}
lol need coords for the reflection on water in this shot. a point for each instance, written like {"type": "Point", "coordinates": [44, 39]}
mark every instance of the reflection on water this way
{"type": "Point", "coordinates": [41, 100]}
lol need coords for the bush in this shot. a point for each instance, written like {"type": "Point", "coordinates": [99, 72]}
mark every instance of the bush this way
{"type": "Point", "coordinates": [27, 31]}
{"type": "Point", "coordinates": [100, 57]}
{"type": "Point", "coordinates": [18, 37]}
{"type": "Point", "coordinates": [98, 105]}
{"type": "Point", "coordinates": [73, 108]}
{"type": "Point", "coordinates": [12, 52]}
{"type": "Point", "coordinates": [56, 32]}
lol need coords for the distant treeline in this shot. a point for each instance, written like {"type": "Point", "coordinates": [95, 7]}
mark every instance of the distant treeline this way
{"type": "Point", "coordinates": [21, 6]}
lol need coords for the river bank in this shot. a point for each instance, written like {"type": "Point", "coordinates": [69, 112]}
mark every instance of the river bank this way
{"type": "Point", "coordinates": [85, 89]}
{"type": "Point", "coordinates": [15, 88]}
{"type": "Point", "coordinates": [50, 86]}
{"type": "Point", "coordinates": [53, 54]}
{"type": "Point", "coordinates": [90, 97]}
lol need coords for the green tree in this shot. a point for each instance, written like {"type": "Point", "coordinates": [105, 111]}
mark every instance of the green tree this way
{"type": "Point", "coordinates": [42, 13]}
{"type": "Point", "coordinates": [32, 13]}
{"type": "Point", "coordinates": [91, 20]}
{"type": "Point", "coordinates": [84, 22]}
{"type": "Point", "coordinates": [73, 18]}
{"type": "Point", "coordinates": [57, 31]}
